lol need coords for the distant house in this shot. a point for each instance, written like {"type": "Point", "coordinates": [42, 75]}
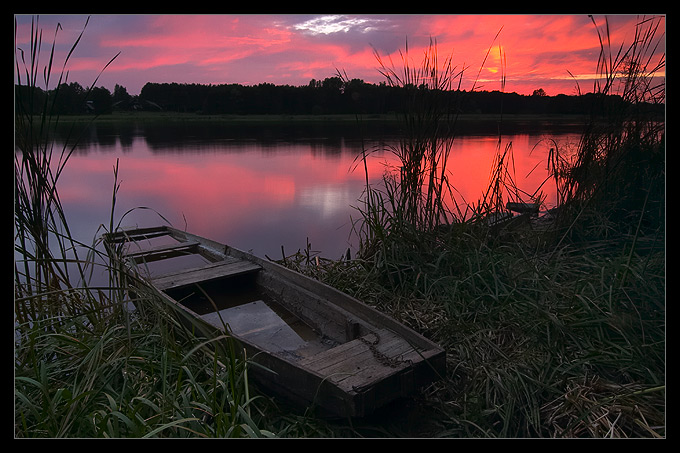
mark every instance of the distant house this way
{"type": "Point", "coordinates": [135, 103]}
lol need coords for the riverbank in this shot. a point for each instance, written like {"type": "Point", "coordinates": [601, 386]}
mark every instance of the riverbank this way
{"type": "Point", "coordinates": [269, 126]}
{"type": "Point", "coordinates": [146, 116]}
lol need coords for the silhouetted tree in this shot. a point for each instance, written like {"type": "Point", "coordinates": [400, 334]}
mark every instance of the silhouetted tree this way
{"type": "Point", "coordinates": [332, 95]}
{"type": "Point", "coordinates": [101, 100]}
{"type": "Point", "coordinates": [69, 98]}
{"type": "Point", "coordinates": [121, 98]}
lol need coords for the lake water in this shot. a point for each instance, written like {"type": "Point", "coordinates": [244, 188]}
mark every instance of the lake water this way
{"type": "Point", "coordinates": [263, 188]}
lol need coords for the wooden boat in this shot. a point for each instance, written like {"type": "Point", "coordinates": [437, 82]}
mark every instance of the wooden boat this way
{"type": "Point", "coordinates": [316, 345]}
{"type": "Point", "coordinates": [523, 208]}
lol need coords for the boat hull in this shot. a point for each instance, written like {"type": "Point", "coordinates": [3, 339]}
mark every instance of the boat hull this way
{"type": "Point", "coordinates": [312, 343]}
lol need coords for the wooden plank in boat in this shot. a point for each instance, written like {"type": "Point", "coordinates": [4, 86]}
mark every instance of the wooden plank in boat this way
{"type": "Point", "coordinates": [221, 269]}
{"type": "Point", "coordinates": [132, 233]}
{"type": "Point", "coordinates": [377, 374]}
{"type": "Point", "coordinates": [162, 249]}
{"type": "Point", "coordinates": [356, 364]}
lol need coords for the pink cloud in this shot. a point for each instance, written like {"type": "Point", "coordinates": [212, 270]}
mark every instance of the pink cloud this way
{"type": "Point", "coordinates": [250, 49]}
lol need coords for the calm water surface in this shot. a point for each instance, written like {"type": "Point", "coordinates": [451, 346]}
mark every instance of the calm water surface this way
{"type": "Point", "coordinates": [263, 190]}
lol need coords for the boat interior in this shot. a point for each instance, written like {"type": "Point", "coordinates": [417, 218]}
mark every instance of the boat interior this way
{"type": "Point", "coordinates": [235, 294]}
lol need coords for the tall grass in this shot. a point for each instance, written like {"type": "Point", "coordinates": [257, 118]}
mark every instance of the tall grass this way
{"type": "Point", "coordinates": [619, 167]}
{"type": "Point", "coordinates": [41, 233]}
{"type": "Point", "coordinates": [414, 194]}
{"type": "Point", "coordinates": [86, 365]}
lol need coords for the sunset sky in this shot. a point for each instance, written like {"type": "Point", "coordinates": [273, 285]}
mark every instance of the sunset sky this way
{"type": "Point", "coordinates": [532, 51]}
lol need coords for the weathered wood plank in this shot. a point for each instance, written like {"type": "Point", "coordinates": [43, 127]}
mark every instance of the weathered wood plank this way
{"type": "Point", "coordinates": [334, 297]}
{"type": "Point", "coordinates": [204, 267]}
{"type": "Point", "coordinates": [334, 356]}
{"type": "Point", "coordinates": [133, 232]}
{"type": "Point", "coordinates": [370, 373]}
{"type": "Point", "coordinates": [375, 373]}
{"type": "Point", "coordinates": [212, 271]}
{"type": "Point", "coordinates": [315, 310]}
{"type": "Point", "coordinates": [523, 207]}
{"type": "Point", "coordinates": [355, 355]}
{"type": "Point", "coordinates": [160, 249]}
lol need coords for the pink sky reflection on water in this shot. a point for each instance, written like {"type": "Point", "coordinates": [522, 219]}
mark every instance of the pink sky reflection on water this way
{"type": "Point", "coordinates": [263, 198]}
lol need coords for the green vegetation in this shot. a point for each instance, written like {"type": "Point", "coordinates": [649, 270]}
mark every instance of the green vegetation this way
{"type": "Point", "coordinates": [553, 326]}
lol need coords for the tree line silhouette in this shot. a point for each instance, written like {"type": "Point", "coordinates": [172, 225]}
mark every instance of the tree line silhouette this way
{"type": "Point", "coordinates": [333, 95]}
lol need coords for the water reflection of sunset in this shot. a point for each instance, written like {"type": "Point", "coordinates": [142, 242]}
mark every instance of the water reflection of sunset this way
{"type": "Point", "coordinates": [264, 196]}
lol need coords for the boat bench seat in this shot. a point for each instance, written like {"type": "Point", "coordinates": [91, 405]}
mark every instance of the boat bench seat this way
{"type": "Point", "coordinates": [162, 249]}
{"type": "Point", "coordinates": [213, 271]}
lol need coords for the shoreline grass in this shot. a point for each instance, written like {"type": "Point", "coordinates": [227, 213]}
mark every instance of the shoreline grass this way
{"type": "Point", "coordinates": [540, 343]}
